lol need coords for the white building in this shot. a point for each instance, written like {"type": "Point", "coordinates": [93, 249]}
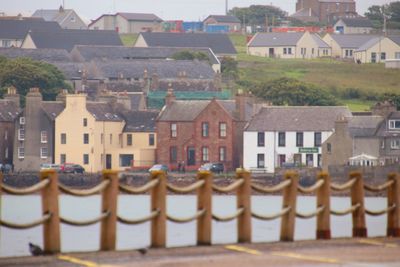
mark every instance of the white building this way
{"type": "Point", "coordinates": [281, 136]}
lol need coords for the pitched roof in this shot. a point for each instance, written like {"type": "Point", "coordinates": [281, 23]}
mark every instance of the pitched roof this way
{"type": "Point", "coordinates": [321, 43]}
{"type": "Point", "coordinates": [370, 43]}
{"type": "Point", "coordinates": [140, 121]}
{"type": "Point", "coordinates": [8, 111]}
{"type": "Point", "coordinates": [336, 1]}
{"type": "Point", "coordinates": [53, 14]}
{"type": "Point", "coordinates": [140, 16]}
{"type": "Point", "coordinates": [183, 110]}
{"type": "Point", "coordinates": [284, 118]}
{"type": "Point", "coordinates": [357, 22]}
{"type": "Point", "coordinates": [395, 39]}
{"type": "Point", "coordinates": [276, 39]}
{"type": "Point", "coordinates": [67, 38]}
{"type": "Point", "coordinates": [46, 54]}
{"type": "Point", "coordinates": [351, 40]}
{"type": "Point", "coordinates": [103, 111]}
{"type": "Point", "coordinates": [136, 99]}
{"type": "Point", "coordinates": [364, 126]}
{"type": "Point", "coordinates": [224, 18]}
{"type": "Point", "coordinates": [73, 70]}
{"type": "Point", "coordinates": [304, 12]}
{"type": "Point", "coordinates": [218, 42]}
{"type": "Point", "coordinates": [383, 130]}
{"type": "Point", "coordinates": [52, 108]}
{"type": "Point", "coordinates": [17, 29]}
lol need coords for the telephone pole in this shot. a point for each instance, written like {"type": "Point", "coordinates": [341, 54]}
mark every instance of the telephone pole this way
{"type": "Point", "coordinates": [226, 7]}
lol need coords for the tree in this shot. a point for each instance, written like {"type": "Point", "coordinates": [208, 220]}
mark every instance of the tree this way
{"type": "Point", "coordinates": [288, 91]}
{"type": "Point", "coordinates": [190, 55]}
{"type": "Point", "coordinates": [229, 66]}
{"type": "Point", "coordinates": [392, 12]}
{"type": "Point", "coordinates": [258, 14]}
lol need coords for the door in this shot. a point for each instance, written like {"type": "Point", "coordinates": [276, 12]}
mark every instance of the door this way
{"type": "Point", "coordinates": [310, 160]}
{"type": "Point", "coordinates": [108, 161]}
{"type": "Point", "coordinates": [373, 57]}
{"type": "Point", "coordinates": [271, 52]}
{"type": "Point", "coordinates": [191, 156]}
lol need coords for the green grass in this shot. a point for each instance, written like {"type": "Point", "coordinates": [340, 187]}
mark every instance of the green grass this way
{"type": "Point", "coordinates": [128, 39]}
{"type": "Point", "coordinates": [358, 105]}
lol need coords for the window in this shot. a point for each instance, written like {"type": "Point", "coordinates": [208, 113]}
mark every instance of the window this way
{"type": "Point", "coordinates": [383, 56]}
{"type": "Point", "coordinates": [282, 160]}
{"type": "Point", "coordinates": [173, 130]}
{"type": "Point", "coordinates": [299, 139]}
{"type": "Point", "coordinates": [222, 129]}
{"type": "Point", "coordinates": [5, 135]}
{"type": "Point", "coordinates": [72, 19]}
{"type": "Point", "coordinates": [125, 160]}
{"type": "Point", "coordinates": [205, 129]}
{"type": "Point", "coordinates": [151, 139]}
{"type": "Point", "coordinates": [329, 147]}
{"type": "Point", "coordinates": [289, 50]}
{"type": "Point", "coordinates": [312, 50]}
{"type": "Point", "coordinates": [6, 43]}
{"type": "Point", "coordinates": [205, 156]}
{"type": "Point", "coordinates": [397, 55]}
{"type": "Point", "coordinates": [21, 152]}
{"type": "Point", "coordinates": [310, 160]}
{"type": "Point", "coordinates": [6, 153]}
{"type": "Point", "coordinates": [373, 57]}
{"type": "Point", "coordinates": [281, 139]}
{"type": "Point", "coordinates": [22, 120]}
{"type": "Point", "coordinates": [317, 139]}
{"type": "Point", "coordinates": [43, 137]}
{"type": "Point", "coordinates": [21, 134]}
{"type": "Point", "coordinates": [63, 158]}
{"type": "Point", "coordinates": [394, 124]}
{"type": "Point", "coordinates": [43, 152]}
{"type": "Point", "coordinates": [86, 138]}
{"type": "Point", "coordinates": [395, 144]}
{"type": "Point", "coordinates": [260, 139]}
{"type": "Point", "coordinates": [84, 122]}
{"type": "Point", "coordinates": [222, 153]}
{"type": "Point", "coordinates": [63, 138]}
{"type": "Point", "coordinates": [260, 161]}
{"type": "Point", "coordinates": [303, 51]}
{"type": "Point", "coordinates": [285, 51]}
{"type": "Point", "coordinates": [173, 154]}
{"type": "Point", "coordinates": [85, 159]}
{"type": "Point", "coordinates": [129, 139]}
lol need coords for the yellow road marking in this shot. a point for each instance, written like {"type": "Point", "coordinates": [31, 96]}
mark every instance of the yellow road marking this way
{"type": "Point", "coordinates": [377, 243]}
{"type": "Point", "coordinates": [78, 261]}
{"type": "Point", "coordinates": [305, 257]}
{"type": "Point", "coordinates": [243, 249]}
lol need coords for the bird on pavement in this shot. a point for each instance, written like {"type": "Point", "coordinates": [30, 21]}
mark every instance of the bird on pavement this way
{"type": "Point", "coordinates": [143, 251]}
{"type": "Point", "coordinates": [35, 250]}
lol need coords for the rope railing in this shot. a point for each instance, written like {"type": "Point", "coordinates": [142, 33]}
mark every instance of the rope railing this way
{"type": "Point", "coordinates": [344, 186]}
{"type": "Point", "coordinates": [25, 191]}
{"type": "Point", "coordinates": [228, 218]}
{"type": "Point", "coordinates": [380, 212]}
{"type": "Point", "coordinates": [188, 219]}
{"type": "Point", "coordinates": [311, 214]}
{"type": "Point", "coordinates": [84, 192]}
{"type": "Point", "coordinates": [311, 189]}
{"type": "Point", "coordinates": [229, 188]}
{"type": "Point", "coordinates": [272, 216]}
{"type": "Point", "coordinates": [87, 222]}
{"type": "Point", "coordinates": [345, 212]}
{"type": "Point", "coordinates": [379, 188]}
{"type": "Point", "coordinates": [139, 190]}
{"type": "Point", "coordinates": [187, 189]}
{"type": "Point", "coordinates": [147, 218]}
{"type": "Point", "coordinates": [20, 226]}
{"type": "Point", "coordinates": [271, 189]}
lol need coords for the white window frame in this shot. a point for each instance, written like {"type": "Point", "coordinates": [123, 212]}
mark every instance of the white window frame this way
{"type": "Point", "coordinates": [222, 129]}
{"type": "Point", "coordinates": [21, 134]}
{"type": "Point", "coordinates": [22, 120]}
{"type": "Point", "coordinates": [6, 153]}
{"type": "Point", "coordinates": [43, 137]}
{"type": "Point", "coordinates": [205, 154]}
{"type": "Point", "coordinates": [395, 144]}
{"type": "Point", "coordinates": [392, 125]}
{"type": "Point", "coordinates": [21, 152]}
{"type": "Point", "coordinates": [44, 152]}
{"type": "Point", "coordinates": [174, 130]}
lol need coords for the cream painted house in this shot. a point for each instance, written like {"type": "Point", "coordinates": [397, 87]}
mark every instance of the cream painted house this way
{"type": "Point", "coordinates": [288, 45]}
{"type": "Point", "coordinates": [377, 50]}
{"type": "Point", "coordinates": [344, 45]}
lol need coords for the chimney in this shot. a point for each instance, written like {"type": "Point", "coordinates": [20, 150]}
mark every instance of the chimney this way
{"type": "Point", "coordinates": [341, 127]}
{"type": "Point", "coordinates": [170, 97]}
{"type": "Point", "coordinates": [240, 102]}
{"type": "Point", "coordinates": [12, 96]}
{"type": "Point", "coordinates": [33, 102]}
{"type": "Point", "coordinates": [384, 108]}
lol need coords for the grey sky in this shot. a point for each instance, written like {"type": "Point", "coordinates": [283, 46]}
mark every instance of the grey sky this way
{"type": "Point", "coordinates": [166, 9]}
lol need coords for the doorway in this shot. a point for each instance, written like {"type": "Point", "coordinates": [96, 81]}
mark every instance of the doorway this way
{"type": "Point", "coordinates": [108, 161]}
{"type": "Point", "coordinates": [271, 52]}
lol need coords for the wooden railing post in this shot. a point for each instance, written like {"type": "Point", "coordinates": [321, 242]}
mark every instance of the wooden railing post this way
{"type": "Point", "coordinates": [243, 196]}
{"type": "Point", "coordinates": [323, 200]}
{"type": "Point", "coordinates": [204, 202]}
{"type": "Point", "coordinates": [158, 202]}
{"type": "Point", "coordinates": [51, 228]}
{"type": "Point", "coordinates": [357, 197]}
{"type": "Point", "coordinates": [108, 235]}
{"type": "Point", "coordinates": [393, 227]}
{"type": "Point", "coordinates": [289, 200]}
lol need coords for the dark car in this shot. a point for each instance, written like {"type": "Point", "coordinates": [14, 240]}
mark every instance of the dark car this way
{"type": "Point", "coordinates": [212, 167]}
{"type": "Point", "coordinates": [159, 167]}
{"type": "Point", "coordinates": [71, 168]}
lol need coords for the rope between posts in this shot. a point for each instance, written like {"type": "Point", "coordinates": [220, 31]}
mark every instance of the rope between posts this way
{"type": "Point", "coordinates": [228, 218]}
{"type": "Point", "coordinates": [139, 190]}
{"type": "Point", "coordinates": [345, 212]}
{"type": "Point", "coordinates": [152, 215]}
{"type": "Point", "coordinates": [271, 189]}
{"type": "Point", "coordinates": [20, 226]}
{"type": "Point", "coordinates": [273, 216]}
{"type": "Point", "coordinates": [84, 192]}
{"type": "Point", "coordinates": [311, 189]}
{"type": "Point", "coordinates": [187, 189]}
{"type": "Point", "coordinates": [229, 188]}
{"type": "Point", "coordinates": [310, 215]}
{"type": "Point", "coordinates": [344, 186]}
{"type": "Point", "coordinates": [85, 223]}
{"type": "Point", "coordinates": [188, 219]}
{"type": "Point", "coordinates": [380, 212]}
{"type": "Point", "coordinates": [379, 187]}
{"type": "Point", "coordinates": [25, 191]}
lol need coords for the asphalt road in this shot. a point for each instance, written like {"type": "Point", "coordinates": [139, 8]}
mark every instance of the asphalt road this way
{"type": "Point", "coordinates": [382, 252]}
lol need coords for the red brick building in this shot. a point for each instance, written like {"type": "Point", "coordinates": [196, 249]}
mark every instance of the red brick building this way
{"type": "Point", "coordinates": [200, 131]}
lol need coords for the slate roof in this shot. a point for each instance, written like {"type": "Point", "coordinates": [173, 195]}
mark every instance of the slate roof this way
{"type": "Point", "coordinates": [103, 111]}
{"type": "Point", "coordinates": [135, 100]}
{"type": "Point", "coordinates": [357, 22]}
{"type": "Point", "coordinates": [321, 43]}
{"type": "Point", "coordinates": [352, 40]}
{"type": "Point", "coordinates": [218, 42]}
{"type": "Point", "coordinates": [46, 54]}
{"type": "Point", "coordinates": [90, 52]}
{"type": "Point", "coordinates": [140, 121]}
{"type": "Point", "coordinates": [53, 14]}
{"type": "Point", "coordinates": [370, 43]}
{"type": "Point", "coordinates": [364, 126]}
{"type": "Point", "coordinates": [73, 70]}
{"type": "Point", "coordinates": [284, 118]}
{"type": "Point", "coordinates": [395, 39]}
{"type": "Point", "coordinates": [383, 130]}
{"type": "Point", "coordinates": [336, 1]}
{"type": "Point", "coordinates": [52, 108]}
{"type": "Point", "coordinates": [17, 29]}
{"type": "Point", "coordinates": [67, 38]}
{"type": "Point", "coordinates": [8, 111]}
{"type": "Point", "coordinates": [224, 18]}
{"type": "Point", "coordinates": [139, 16]}
{"type": "Point", "coordinates": [276, 39]}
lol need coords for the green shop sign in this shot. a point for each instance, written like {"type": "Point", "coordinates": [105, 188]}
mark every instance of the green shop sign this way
{"type": "Point", "coordinates": [308, 150]}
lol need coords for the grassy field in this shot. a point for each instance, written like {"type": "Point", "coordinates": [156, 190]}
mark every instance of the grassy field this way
{"type": "Point", "coordinates": [128, 39]}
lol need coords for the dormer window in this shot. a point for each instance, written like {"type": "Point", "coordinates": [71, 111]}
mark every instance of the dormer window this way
{"type": "Point", "coordinates": [394, 124]}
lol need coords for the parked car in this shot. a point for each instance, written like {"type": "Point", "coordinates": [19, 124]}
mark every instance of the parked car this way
{"type": "Point", "coordinates": [71, 168]}
{"type": "Point", "coordinates": [48, 166]}
{"type": "Point", "coordinates": [5, 168]}
{"type": "Point", "coordinates": [212, 167]}
{"type": "Point", "coordinates": [159, 167]}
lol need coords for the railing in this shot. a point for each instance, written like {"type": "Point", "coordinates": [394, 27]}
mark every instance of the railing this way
{"type": "Point", "coordinates": [158, 216]}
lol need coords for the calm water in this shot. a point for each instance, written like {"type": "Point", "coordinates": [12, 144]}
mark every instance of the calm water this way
{"type": "Point", "coordinates": [27, 208]}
